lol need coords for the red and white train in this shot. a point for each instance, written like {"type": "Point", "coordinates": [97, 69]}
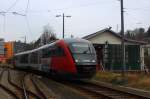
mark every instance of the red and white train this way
{"type": "Point", "coordinates": [69, 57]}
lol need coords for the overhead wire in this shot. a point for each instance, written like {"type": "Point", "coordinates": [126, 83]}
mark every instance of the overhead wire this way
{"type": "Point", "coordinates": [4, 15]}
{"type": "Point", "coordinates": [12, 6]}
{"type": "Point", "coordinates": [139, 9]}
{"type": "Point", "coordinates": [79, 6]}
{"type": "Point", "coordinates": [28, 24]}
{"type": "Point", "coordinates": [134, 20]}
{"type": "Point", "coordinates": [26, 10]}
{"type": "Point", "coordinates": [27, 7]}
{"type": "Point", "coordinates": [83, 5]}
{"type": "Point", "coordinates": [4, 24]}
{"type": "Point", "coordinates": [133, 15]}
{"type": "Point", "coordinates": [26, 18]}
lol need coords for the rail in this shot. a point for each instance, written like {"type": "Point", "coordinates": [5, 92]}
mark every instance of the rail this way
{"type": "Point", "coordinates": [42, 95]}
{"type": "Point", "coordinates": [24, 90]}
{"type": "Point", "coordinates": [7, 89]}
{"type": "Point", "coordinates": [103, 92]}
{"type": "Point", "coordinates": [26, 93]}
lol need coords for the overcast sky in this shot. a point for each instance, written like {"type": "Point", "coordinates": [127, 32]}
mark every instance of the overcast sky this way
{"type": "Point", "coordinates": [87, 16]}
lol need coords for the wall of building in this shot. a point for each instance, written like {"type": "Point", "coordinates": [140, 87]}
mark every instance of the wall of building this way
{"type": "Point", "coordinates": [1, 46]}
{"type": "Point", "coordinates": [110, 56]}
{"type": "Point", "coordinates": [2, 58]}
{"type": "Point", "coordinates": [147, 49]}
{"type": "Point", "coordinates": [142, 57]}
{"type": "Point", "coordinates": [112, 61]}
{"type": "Point", "coordinates": [9, 50]}
{"type": "Point", "coordinates": [19, 47]}
{"type": "Point", "coordinates": [12, 48]}
{"type": "Point", "coordinates": [103, 37]}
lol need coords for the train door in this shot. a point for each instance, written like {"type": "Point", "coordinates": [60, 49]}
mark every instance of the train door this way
{"type": "Point", "coordinates": [46, 59]}
{"type": "Point", "coordinates": [58, 59]}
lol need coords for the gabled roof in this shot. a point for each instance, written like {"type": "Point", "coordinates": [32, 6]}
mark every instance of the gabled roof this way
{"type": "Point", "coordinates": [113, 33]}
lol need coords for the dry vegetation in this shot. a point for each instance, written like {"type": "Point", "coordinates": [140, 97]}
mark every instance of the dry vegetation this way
{"type": "Point", "coordinates": [139, 81]}
{"type": "Point", "coordinates": [6, 65]}
{"type": "Point", "coordinates": [136, 80]}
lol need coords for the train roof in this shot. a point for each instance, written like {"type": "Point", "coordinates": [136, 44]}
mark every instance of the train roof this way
{"type": "Point", "coordinates": [34, 50]}
{"type": "Point", "coordinates": [67, 40]}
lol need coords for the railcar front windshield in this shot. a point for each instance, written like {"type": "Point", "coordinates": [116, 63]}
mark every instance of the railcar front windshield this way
{"type": "Point", "coordinates": [81, 48]}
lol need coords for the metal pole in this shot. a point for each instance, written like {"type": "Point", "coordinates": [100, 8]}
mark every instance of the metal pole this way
{"type": "Point", "coordinates": [123, 43]}
{"type": "Point", "coordinates": [25, 39]}
{"type": "Point", "coordinates": [63, 25]}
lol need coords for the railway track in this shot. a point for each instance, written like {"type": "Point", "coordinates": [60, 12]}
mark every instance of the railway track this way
{"type": "Point", "coordinates": [38, 89]}
{"type": "Point", "coordinates": [26, 94]}
{"type": "Point", "coordinates": [16, 86]}
{"type": "Point", "coordinates": [93, 90]}
{"type": "Point", "coordinates": [7, 90]}
{"type": "Point", "coordinates": [101, 92]}
{"type": "Point", "coordinates": [20, 89]}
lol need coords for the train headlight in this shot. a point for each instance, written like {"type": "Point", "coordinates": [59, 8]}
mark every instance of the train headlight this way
{"type": "Point", "coordinates": [76, 60]}
{"type": "Point", "coordinates": [93, 61]}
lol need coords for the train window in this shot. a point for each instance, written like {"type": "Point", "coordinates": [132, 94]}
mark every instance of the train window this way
{"type": "Point", "coordinates": [39, 56]}
{"type": "Point", "coordinates": [60, 51]}
{"type": "Point", "coordinates": [57, 51]}
{"type": "Point", "coordinates": [43, 53]}
{"type": "Point", "coordinates": [34, 58]}
{"type": "Point", "coordinates": [52, 51]}
{"type": "Point", "coordinates": [46, 53]}
{"type": "Point", "coordinates": [24, 58]}
{"type": "Point", "coordinates": [81, 48]}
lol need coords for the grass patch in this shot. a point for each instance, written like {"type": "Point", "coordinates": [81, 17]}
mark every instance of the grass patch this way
{"type": "Point", "coordinates": [106, 76]}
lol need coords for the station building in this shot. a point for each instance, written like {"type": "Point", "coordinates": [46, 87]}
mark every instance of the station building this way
{"type": "Point", "coordinates": [2, 57]}
{"type": "Point", "coordinates": [147, 49]}
{"type": "Point", "coordinates": [13, 47]}
{"type": "Point", "coordinates": [109, 54]}
{"type": "Point", "coordinates": [8, 50]}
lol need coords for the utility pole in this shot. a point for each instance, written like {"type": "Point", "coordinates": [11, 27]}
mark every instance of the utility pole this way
{"type": "Point", "coordinates": [123, 42]}
{"type": "Point", "coordinates": [63, 25]}
{"type": "Point", "coordinates": [117, 28]}
{"type": "Point", "coordinates": [41, 40]}
{"type": "Point", "coordinates": [63, 16]}
{"type": "Point", "coordinates": [25, 39]}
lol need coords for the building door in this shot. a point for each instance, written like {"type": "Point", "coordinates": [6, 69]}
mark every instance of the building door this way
{"type": "Point", "coordinates": [99, 53]}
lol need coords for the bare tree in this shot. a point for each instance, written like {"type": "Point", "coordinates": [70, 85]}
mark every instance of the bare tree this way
{"type": "Point", "coordinates": [148, 32]}
{"type": "Point", "coordinates": [48, 35]}
{"type": "Point", "coordinates": [137, 34]}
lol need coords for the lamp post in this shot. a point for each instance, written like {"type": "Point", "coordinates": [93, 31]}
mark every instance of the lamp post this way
{"type": "Point", "coordinates": [63, 16]}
